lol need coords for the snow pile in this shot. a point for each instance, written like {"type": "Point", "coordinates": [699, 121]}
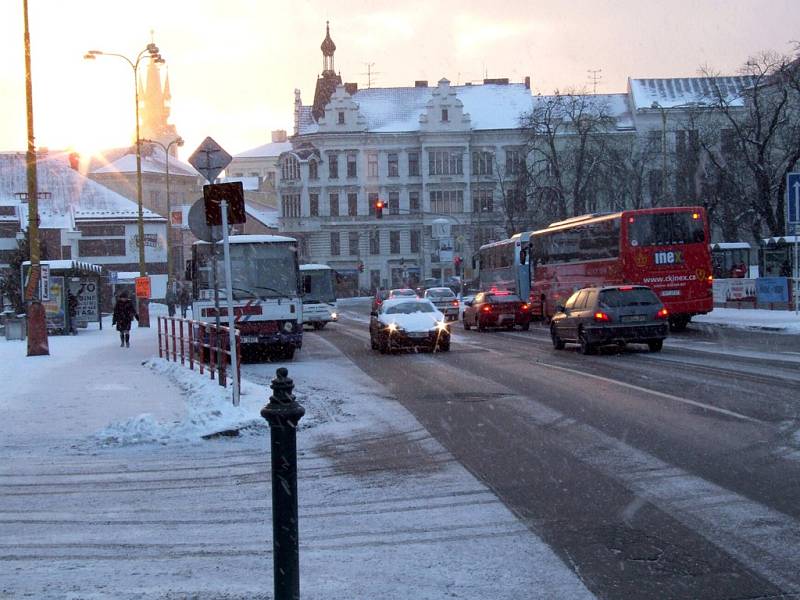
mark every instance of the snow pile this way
{"type": "Point", "coordinates": [785, 321]}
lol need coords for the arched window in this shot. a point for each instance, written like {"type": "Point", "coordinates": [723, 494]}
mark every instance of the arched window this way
{"type": "Point", "coordinates": [290, 168]}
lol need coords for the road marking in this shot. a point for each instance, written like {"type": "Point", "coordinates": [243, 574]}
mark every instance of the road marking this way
{"type": "Point", "coordinates": [631, 386]}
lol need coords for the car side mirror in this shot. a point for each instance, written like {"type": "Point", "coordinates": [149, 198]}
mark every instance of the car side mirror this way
{"type": "Point", "coordinates": [560, 308]}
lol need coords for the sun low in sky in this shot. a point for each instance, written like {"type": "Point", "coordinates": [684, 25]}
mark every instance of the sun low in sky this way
{"type": "Point", "coordinates": [233, 66]}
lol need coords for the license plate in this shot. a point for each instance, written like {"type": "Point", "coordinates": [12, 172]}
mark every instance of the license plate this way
{"type": "Point", "coordinates": [633, 318]}
{"type": "Point", "coordinates": [418, 334]}
{"type": "Point", "coordinates": [249, 339]}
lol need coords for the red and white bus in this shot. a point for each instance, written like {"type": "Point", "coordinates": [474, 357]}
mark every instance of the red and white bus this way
{"type": "Point", "coordinates": [666, 249]}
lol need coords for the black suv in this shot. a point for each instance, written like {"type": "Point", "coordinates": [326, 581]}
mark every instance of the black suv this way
{"type": "Point", "coordinates": [618, 314]}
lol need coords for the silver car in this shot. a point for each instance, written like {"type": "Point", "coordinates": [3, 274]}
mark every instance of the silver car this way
{"type": "Point", "coordinates": [444, 300]}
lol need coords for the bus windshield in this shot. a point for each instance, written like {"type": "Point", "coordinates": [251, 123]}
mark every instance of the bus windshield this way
{"type": "Point", "coordinates": [318, 285]}
{"type": "Point", "coordinates": [258, 270]}
{"type": "Point", "coordinates": [665, 229]}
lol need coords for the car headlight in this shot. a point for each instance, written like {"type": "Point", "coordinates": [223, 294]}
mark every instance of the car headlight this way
{"type": "Point", "coordinates": [393, 327]}
{"type": "Point", "coordinates": [441, 326]}
{"type": "Point", "coordinates": [334, 316]}
{"type": "Point", "coordinates": [288, 327]}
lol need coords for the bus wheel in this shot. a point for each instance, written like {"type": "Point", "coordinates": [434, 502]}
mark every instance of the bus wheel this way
{"type": "Point", "coordinates": [679, 323]}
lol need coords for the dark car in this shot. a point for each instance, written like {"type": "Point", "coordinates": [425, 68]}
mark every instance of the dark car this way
{"type": "Point", "coordinates": [378, 299]}
{"type": "Point", "coordinates": [444, 300]}
{"type": "Point", "coordinates": [496, 309]}
{"type": "Point", "coordinates": [621, 314]}
{"type": "Point", "coordinates": [408, 323]}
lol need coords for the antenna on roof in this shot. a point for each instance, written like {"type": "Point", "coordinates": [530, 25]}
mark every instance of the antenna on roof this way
{"type": "Point", "coordinates": [594, 78]}
{"type": "Point", "coordinates": [371, 75]}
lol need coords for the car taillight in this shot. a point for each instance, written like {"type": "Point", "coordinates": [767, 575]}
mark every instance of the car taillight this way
{"type": "Point", "coordinates": [455, 303]}
{"type": "Point", "coordinates": [601, 317]}
{"type": "Point", "coordinates": [662, 314]}
{"type": "Point", "coordinates": [487, 308]}
{"type": "Point", "coordinates": [710, 279]}
{"type": "Point", "coordinates": [525, 306]}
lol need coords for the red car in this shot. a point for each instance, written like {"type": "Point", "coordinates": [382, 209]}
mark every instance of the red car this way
{"type": "Point", "coordinates": [496, 309]}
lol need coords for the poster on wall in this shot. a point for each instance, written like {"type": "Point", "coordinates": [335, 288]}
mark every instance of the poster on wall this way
{"type": "Point", "coordinates": [86, 294]}
{"type": "Point", "coordinates": [54, 307]}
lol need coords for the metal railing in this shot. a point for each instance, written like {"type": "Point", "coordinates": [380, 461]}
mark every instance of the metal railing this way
{"type": "Point", "coordinates": [198, 343]}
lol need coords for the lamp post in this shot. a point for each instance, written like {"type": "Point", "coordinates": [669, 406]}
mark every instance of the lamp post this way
{"type": "Point", "coordinates": [657, 106]}
{"type": "Point", "coordinates": [178, 141]}
{"type": "Point", "coordinates": [151, 51]}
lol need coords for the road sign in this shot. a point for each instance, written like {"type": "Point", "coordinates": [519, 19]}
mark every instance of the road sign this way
{"type": "Point", "coordinates": [44, 287]}
{"type": "Point", "coordinates": [793, 198]}
{"type": "Point", "coordinates": [210, 159]}
{"type": "Point", "coordinates": [233, 194]}
{"type": "Point", "coordinates": [142, 287]}
{"type": "Point", "coordinates": [198, 226]}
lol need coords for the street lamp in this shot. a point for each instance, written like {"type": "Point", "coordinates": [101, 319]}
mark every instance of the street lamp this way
{"type": "Point", "coordinates": [151, 51]}
{"type": "Point", "coordinates": [178, 141]}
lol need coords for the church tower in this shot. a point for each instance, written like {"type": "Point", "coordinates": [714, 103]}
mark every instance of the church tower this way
{"type": "Point", "coordinates": [155, 107]}
{"type": "Point", "coordinates": [327, 82]}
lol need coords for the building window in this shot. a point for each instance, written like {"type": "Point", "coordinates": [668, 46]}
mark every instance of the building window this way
{"type": "Point", "coordinates": [413, 164]}
{"type": "Point", "coordinates": [352, 169]}
{"type": "Point", "coordinates": [375, 241]}
{"type": "Point", "coordinates": [444, 162]}
{"type": "Point", "coordinates": [414, 240]}
{"type": "Point", "coordinates": [290, 168]}
{"type": "Point", "coordinates": [101, 247]}
{"type": "Point", "coordinates": [413, 203]}
{"type": "Point", "coordinates": [372, 198]}
{"type": "Point", "coordinates": [372, 165]}
{"type": "Point", "coordinates": [482, 200]}
{"type": "Point", "coordinates": [333, 166]}
{"type": "Point", "coordinates": [393, 168]}
{"type": "Point", "coordinates": [447, 201]}
{"type": "Point", "coordinates": [394, 242]}
{"type": "Point", "coordinates": [394, 203]}
{"type": "Point", "coordinates": [444, 115]}
{"type": "Point", "coordinates": [514, 162]}
{"type": "Point", "coordinates": [482, 163]}
{"type": "Point", "coordinates": [313, 205]}
{"type": "Point", "coordinates": [100, 230]}
{"type": "Point", "coordinates": [352, 242]}
{"type": "Point", "coordinates": [334, 204]}
{"type": "Point", "coordinates": [335, 249]}
{"type": "Point", "coordinates": [291, 205]}
{"type": "Point", "coordinates": [313, 170]}
{"type": "Point", "coordinates": [341, 117]}
{"type": "Point", "coordinates": [352, 205]}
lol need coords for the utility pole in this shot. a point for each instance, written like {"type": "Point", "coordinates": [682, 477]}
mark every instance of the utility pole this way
{"type": "Point", "coordinates": [37, 320]}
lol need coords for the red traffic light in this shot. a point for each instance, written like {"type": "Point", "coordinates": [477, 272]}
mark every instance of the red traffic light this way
{"type": "Point", "coordinates": [379, 204]}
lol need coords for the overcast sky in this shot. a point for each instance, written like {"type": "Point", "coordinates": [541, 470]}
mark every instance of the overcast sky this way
{"type": "Point", "coordinates": [234, 64]}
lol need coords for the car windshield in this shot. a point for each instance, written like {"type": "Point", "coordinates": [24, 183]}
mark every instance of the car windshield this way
{"type": "Point", "coordinates": [618, 298]}
{"type": "Point", "coordinates": [440, 293]}
{"type": "Point", "coordinates": [403, 294]}
{"type": "Point", "coordinates": [407, 308]}
{"type": "Point", "coordinates": [501, 298]}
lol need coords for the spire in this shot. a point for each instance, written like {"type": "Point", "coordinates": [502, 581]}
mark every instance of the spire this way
{"type": "Point", "coordinates": [328, 48]}
{"type": "Point", "coordinates": [167, 94]}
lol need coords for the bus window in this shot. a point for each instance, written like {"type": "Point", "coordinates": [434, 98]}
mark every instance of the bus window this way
{"type": "Point", "coordinates": [665, 229]}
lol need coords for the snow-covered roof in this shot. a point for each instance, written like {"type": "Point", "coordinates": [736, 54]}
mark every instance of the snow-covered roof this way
{"type": "Point", "coordinates": [314, 267]}
{"type": "Point", "coordinates": [783, 239]}
{"type": "Point", "coordinates": [64, 193]}
{"type": "Point", "coordinates": [686, 91]}
{"type": "Point", "coordinates": [264, 214]}
{"type": "Point", "coordinates": [154, 160]}
{"type": "Point", "coordinates": [397, 109]}
{"type": "Point", "coordinates": [255, 239]}
{"type": "Point", "coordinates": [730, 246]}
{"type": "Point", "coordinates": [249, 184]}
{"type": "Point", "coordinates": [266, 151]}
{"type": "Point", "coordinates": [612, 105]}
{"type": "Point", "coordinates": [66, 265]}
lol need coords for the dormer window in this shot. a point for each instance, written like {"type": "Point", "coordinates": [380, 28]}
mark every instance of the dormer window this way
{"type": "Point", "coordinates": [444, 115]}
{"type": "Point", "coordinates": [341, 117]}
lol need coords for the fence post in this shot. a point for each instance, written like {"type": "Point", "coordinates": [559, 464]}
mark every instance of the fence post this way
{"type": "Point", "coordinates": [283, 414]}
{"type": "Point", "coordinates": [191, 345]}
{"type": "Point", "coordinates": [183, 362]}
{"type": "Point", "coordinates": [166, 338]}
{"type": "Point", "coordinates": [212, 350]}
{"type": "Point", "coordinates": [174, 341]}
{"type": "Point", "coordinates": [160, 355]}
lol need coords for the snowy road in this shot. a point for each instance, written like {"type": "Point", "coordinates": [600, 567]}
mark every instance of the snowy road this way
{"type": "Point", "coordinates": [671, 475]}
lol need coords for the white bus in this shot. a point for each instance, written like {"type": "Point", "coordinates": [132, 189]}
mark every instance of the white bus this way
{"type": "Point", "coordinates": [319, 295]}
{"type": "Point", "coordinates": [267, 307]}
{"type": "Point", "coordinates": [505, 265]}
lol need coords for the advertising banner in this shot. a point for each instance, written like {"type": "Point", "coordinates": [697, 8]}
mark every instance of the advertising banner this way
{"type": "Point", "coordinates": [733, 290]}
{"type": "Point", "coordinates": [54, 307]}
{"type": "Point", "coordinates": [770, 290]}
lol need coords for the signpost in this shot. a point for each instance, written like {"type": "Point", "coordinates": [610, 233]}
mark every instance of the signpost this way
{"type": "Point", "coordinates": [793, 228]}
{"type": "Point", "coordinates": [210, 159]}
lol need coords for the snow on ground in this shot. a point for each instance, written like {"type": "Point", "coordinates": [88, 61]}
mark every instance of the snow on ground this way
{"type": "Point", "coordinates": [107, 489]}
{"type": "Point", "coordinates": [786, 321]}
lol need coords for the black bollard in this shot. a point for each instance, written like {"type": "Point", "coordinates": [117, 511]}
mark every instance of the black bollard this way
{"type": "Point", "coordinates": [283, 413]}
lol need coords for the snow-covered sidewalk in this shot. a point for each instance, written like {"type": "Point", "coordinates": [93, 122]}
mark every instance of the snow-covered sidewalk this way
{"type": "Point", "coordinates": [110, 491]}
{"type": "Point", "coordinates": [785, 321]}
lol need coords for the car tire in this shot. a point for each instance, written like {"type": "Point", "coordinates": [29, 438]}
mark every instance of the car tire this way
{"type": "Point", "coordinates": [558, 343]}
{"type": "Point", "coordinates": [655, 345]}
{"type": "Point", "coordinates": [286, 353]}
{"type": "Point", "coordinates": [678, 323]}
{"type": "Point", "coordinates": [480, 326]}
{"type": "Point", "coordinates": [526, 326]}
{"type": "Point", "coordinates": [510, 327]}
{"type": "Point", "coordinates": [467, 326]}
{"type": "Point", "coordinates": [443, 347]}
{"type": "Point", "coordinates": [584, 346]}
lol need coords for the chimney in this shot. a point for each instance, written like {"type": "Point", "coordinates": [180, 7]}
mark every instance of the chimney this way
{"type": "Point", "coordinates": [74, 160]}
{"type": "Point", "coordinates": [351, 88]}
{"type": "Point", "coordinates": [421, 83]}
{"type": "Point", "coordinates": [527, 82]}
{"type": "Point", "coordinates": [497, 81]}
{"type": "Point", "coordinates": [279, 135]}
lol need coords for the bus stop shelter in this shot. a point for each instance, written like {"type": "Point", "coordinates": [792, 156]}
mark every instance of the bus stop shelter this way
{"type": "Point", "coordinates": [70, 280]}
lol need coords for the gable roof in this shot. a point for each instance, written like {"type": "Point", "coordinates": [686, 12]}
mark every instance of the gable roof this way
{"type": "Point", "coordinates": [682, 91]}
{"type": "Point", "coordinates": [153, 161]}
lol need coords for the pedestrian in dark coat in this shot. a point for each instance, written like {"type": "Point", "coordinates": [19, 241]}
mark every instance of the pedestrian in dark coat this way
{"type": "Point", "coordinates": [170, 301]}
{"type": "Point", "coordinates": [124, 314]}
{"type": "Point", "coordinates": [185, 298]}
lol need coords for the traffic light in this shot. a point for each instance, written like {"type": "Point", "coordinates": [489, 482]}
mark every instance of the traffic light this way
{"type": "Point", "coordinates": [457, 263]}
{"type": "Point", "coordinates": [379, 204]}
